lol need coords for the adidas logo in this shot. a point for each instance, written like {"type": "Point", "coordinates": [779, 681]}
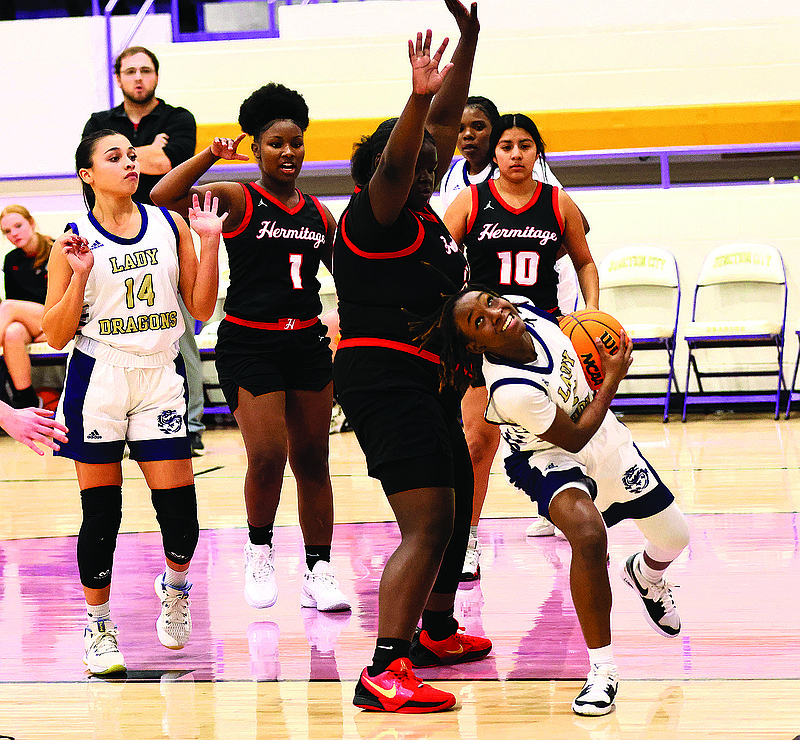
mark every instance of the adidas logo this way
{"type": "Point", "coordinates": [94, 434]}
{"type": "Point", "coordinates": [95, 244]}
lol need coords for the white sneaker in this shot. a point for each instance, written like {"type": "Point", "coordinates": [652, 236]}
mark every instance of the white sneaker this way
{"type": "Point", "coordinates": [472, 566]}
{"type": "Point", "coordinates": [338, 419]}
{"type": "Point", "coordinates": [540, 528]}
{"type": "Point", "coordinates": [260, 588]}
{"type": "Point", "coordinates": [102, 653]}
{"type": "Point", "coordinates": [174, 626]}
{"type": "Point", "coordinates": [658, 605]}
{"type": "Point", "coordinates": [598, 693]}
{"type": "Point", "coordinates": [321, 590]}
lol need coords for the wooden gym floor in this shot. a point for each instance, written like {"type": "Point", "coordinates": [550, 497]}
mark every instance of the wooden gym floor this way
{"type": "Point", "coordinates": [288, 672]}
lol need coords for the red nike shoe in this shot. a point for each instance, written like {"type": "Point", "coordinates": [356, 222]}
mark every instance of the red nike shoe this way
{"type": "Point", "coordinates": [458, 648]}
{"type": "Point", "coordinates": [397, 689]}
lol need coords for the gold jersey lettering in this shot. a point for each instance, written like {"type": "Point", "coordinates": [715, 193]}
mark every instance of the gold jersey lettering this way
{"type": "Point", "coordinates": [567, 364]}
{"type": "Point", "coordinates": [136, 259]}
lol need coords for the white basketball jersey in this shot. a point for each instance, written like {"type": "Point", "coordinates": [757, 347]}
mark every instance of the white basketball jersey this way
{"type": "Point", "coordinates": [131, 298]}
{"type": "Point", "coordinates": [523, 397]}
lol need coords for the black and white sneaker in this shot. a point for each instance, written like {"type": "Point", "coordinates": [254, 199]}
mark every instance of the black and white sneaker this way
{"type": "Point", "coordinates": [659, 606]}
{"type": "Point", "coordinates": [598, 693]}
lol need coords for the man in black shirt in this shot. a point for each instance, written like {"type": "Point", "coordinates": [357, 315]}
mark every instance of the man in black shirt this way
{"type": "Point", "coordinates": [164, 136]}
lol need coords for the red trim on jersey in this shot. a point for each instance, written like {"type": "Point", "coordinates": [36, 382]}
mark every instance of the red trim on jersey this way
{"type": "Point", "coordinates": [510, 208]}
{"type": "Point", "coordinates": [279, 325]}
{"type": "Point", "coordinates": [427, 214]}
{"type": "Point", "coordinates": [557, 210]}
{"type": "Point", "coordinates": [248, 214]}
{"type": "Point", "coordinates": [321, 210]}
{"type": "Point", "coordinates": [382, 255]}
{"type": "Point", "coordinates": [291, 211]}
{"type": "Point", "coordinates": [388, 344]}
{"type": "Point", "coordinates": [473, 211]}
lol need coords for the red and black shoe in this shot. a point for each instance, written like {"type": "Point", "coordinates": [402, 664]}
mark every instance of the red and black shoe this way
{"type": "Point", "coordinates": [458, 648]}
{"type": "Point", "coordinates": [397, 689]}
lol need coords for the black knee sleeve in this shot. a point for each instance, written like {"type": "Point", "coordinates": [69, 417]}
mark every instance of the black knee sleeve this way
{"type": "Point", "coordinates": [97, 539]}
{"type": "Point", "coordinates": [176, 512]}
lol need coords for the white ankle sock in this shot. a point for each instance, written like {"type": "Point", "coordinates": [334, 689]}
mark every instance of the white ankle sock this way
{"type": "Point", "coordinates": [601, 656]}
{"type": "Point", "coordinates": [649, 574]}
{"type": "Point", "coordinates": [99, 611]}
{"type": "Point", "coordinates": [175, 578]}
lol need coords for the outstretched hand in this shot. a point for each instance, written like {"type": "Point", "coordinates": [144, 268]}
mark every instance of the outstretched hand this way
{"type": "Point", "coordinates": [226, 148]}
{"type": "Point", "coordinates": [467, 20]}
{"type": "Point", "coordinates": [32, 425]}
{"type": "Point", "coordinates": [205, 220]}
{"type": "Point", "coordinates": [426, 77]}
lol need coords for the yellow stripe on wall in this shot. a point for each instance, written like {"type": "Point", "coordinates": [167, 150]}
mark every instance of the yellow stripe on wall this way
{"type": "Point", "coordinates": [586, 130]}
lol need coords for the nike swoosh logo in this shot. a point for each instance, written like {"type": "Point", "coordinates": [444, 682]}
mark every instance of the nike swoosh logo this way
{"type": "Point", "coordinates": [456, 652]}
{"type": "Point", "coordinates": [388, 693]}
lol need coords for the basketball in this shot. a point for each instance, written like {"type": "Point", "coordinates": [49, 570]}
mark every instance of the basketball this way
{"type": "Point", "coordinates": [582, 328]}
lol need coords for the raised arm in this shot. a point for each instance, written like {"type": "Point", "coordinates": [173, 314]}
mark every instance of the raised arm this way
{"type": "Point", "coordinates": [199, 281]}
{"type": "Point", "coordinates": [444, 117]}
{"type": "Point", "coordinates": [390, 185]}
{"type": "Point", "coordinates": [177, 188]}
{"type": "Point", "coordinates": [68, 270]}
{"type": "Point", "coordinates": [573, 436]}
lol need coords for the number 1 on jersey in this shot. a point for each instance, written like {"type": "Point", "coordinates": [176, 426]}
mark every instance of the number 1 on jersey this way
{"type": "Point", "coordinates": [295, 263]}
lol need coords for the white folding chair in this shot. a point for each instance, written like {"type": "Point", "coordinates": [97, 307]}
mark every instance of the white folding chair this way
{"type": "Point", "coordinates": [739, 301]}
{"type": "Point", "coordinates": [792, 391]}
{"type": "Point", "coordinates": [640, 287]}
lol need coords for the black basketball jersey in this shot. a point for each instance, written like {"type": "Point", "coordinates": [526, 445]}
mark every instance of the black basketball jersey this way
{"type": "Point", "coordinates": [274, 257]}
{"type": "Point", "coordinates": [513, 250]}
{"type": "Point", "coordinates": [389, 276]}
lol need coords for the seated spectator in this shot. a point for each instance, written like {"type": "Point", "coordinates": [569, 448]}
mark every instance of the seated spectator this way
{"type": "Point", "coordinates": [25, 270]}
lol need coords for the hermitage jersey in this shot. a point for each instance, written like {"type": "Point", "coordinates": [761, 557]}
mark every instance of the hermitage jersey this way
{"type": "Point", "coordinates": [458, 178]}
{"type": "Point", "coordinates": [130, 302]}
{"type": "Point", "coordinates": [388, 276]}
{"type": "Point", "coordinates": [513, 250]}
{"type": "Point", "coordinates": [523, 397]}
{"type": "Point", "coordinates": [274, 257]}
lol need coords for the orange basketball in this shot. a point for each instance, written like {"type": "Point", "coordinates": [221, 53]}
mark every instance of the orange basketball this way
{"type": "Point", "coordinates": [582, 328]}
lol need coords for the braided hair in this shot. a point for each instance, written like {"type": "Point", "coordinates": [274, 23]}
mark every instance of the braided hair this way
{"type": "Point", "coordinates": [457, 365]}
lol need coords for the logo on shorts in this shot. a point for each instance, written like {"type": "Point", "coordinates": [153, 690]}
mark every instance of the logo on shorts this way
{"type": "Point", "coordinates": [636, 479]}
{"type": "Point", "coordinates": [94, 434]}
{"type": "Point", "coordinates": [170, 421]}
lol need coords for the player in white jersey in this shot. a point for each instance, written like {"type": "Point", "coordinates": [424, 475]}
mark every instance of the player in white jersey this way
{"type": "Point", "coordinates": [571, 455]}
{"type": "Point", "coordinates": [478, 165]}
{"type": "Point", "coordinates": [114, 281]}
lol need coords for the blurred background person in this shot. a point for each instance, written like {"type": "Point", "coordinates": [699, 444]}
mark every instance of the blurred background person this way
{"type": "Point", "coordinates": [25, 274]}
